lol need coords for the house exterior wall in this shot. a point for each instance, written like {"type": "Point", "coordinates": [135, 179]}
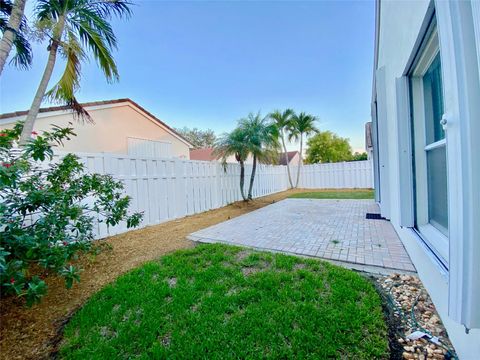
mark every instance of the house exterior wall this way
{"type": "Point", "coordinates": [231, 160]}
{"type": "Point", "coordinates": [398, 30]}
{"type": "Point", "coordinates": [112, 125]}
{"type": "Point", "coordinates": [295, 160]}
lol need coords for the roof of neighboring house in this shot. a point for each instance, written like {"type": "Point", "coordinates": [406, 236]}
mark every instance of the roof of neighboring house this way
{"type": "Point", "coordinates": [205, 154]}
{"type": "Point", "coordinates": [290, 155]}
{"type": "Point", "coordinates": [98, 103]}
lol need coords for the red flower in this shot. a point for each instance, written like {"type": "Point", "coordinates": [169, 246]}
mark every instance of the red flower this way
{"type": "Point", "coordinates": [34, 133]}
{"type": "Point", "coordinates": [7, 165]}
{"type": "Point", "coordinates": [3, 134]}
{"type": "Point", "coordinates": [12, 281]}
{"type": "Point", "coordinates": [65, 243]}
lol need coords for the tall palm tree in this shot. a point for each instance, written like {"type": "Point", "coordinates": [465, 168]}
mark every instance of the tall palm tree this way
{"type": "Point", "coordinates": [233, 143]}
{"type": "Point", "coordinates": [74, 27]}
{"type": "Point", "coordinates": [13, 25]}
{"type": "Point", "coordinates": [283, 119]}
{"type": "Point", "coordinates": [262, 141]}
{"type": "Point", "coordinates": [301, 124]}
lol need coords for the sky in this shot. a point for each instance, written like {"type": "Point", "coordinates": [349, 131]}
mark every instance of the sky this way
{"type": "Point", "coordinates": [206, 64]}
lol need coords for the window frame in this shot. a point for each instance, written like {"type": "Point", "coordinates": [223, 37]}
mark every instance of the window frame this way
{"type": "Point", "coordinates": [437, 241]}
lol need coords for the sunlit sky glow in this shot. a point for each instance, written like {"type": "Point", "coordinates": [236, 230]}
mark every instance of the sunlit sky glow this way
{"type": "Point", "coordinates": [206, 64]}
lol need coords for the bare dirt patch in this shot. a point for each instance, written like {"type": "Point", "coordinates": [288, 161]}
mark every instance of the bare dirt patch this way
{"type": "Point", "coordinates": [299, 266]}
{"type": "Point", "coordinates": [249, 271]}
{"type": "Point", "coordinates": [32, 333]}
{"type": "Point", "coordinates": [172, 282]}
{"type": "Point", "coordinates": [241, 255]}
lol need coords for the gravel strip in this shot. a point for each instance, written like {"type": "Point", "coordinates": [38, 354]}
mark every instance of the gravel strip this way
{"type": "Point", "coordinates": [413, 310]}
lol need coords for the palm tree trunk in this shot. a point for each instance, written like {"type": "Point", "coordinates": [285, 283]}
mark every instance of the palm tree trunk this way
{"type": "Point", "coordinates": [252, 177]}
{"type": "Point", "coordinates": [11, 31]}
{"type": "Point", "coordinates": [301, 160]}
{"type": "Point", "coordinates": [42, 88]}
{"type": "Point", "coordinates": [242, 179]}
{"type": "Point", "coordinates": [286, 161]}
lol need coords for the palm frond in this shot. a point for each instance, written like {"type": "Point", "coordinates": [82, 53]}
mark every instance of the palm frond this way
{"type": "Point", "coordinates": [23, 53]}
{"type": "Point", "coordinates": [282, 118]}
{"type": "Point", "coordinates": [109, 8]}
{"type": "Point", "coordinates": [302, 124]}
{"type": "Point", "coordinates": [94, 40]}
{"type": "Point", "coordinates": [262, 135]}
{"type": "Point", "coordinates": [97, 23]}
{"type": "Point", "coordinates": [233, 143]}
{"type": "Point", "coordinates": [22, 58]}
{"type": "Point", "coordinates": [48, 9]}
{"type": "Point", "coordinates": [64, 90]}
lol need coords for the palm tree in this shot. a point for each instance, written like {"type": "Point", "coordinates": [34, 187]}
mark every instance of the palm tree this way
{"type": "Point", "coordinates": [13, 31]}
{"type": "Point", "coordinates": [283, 119]}
{"type": "Point", "coordinates": [261, 140]}
{"type": "Point", "coordinates": [301, 124]}
{"type": "Point", "coordinates": [74, 27]}
{"type": "Point", "coordinates": [233, 143]}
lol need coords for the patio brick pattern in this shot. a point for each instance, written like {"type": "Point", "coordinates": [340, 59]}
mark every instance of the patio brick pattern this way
{"type": "Point", "coordinates": [330, 229]}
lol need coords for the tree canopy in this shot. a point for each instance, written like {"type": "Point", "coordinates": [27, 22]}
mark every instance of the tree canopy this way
{"type": "Point", "coordinates": [198, 138]}
{"type": "Point", "coordinates": [327, 146]}
{"type": "Point", "coordinates": [357, 156]}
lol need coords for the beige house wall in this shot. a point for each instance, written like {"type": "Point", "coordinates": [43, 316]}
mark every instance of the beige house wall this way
{"type": "Point", "coordinates": [295, 160]}
{"type": "Point", "coordinates": [112, 125]}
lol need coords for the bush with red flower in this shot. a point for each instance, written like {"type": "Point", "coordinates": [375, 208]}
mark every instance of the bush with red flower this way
{"type": "Point", "coordinates": [48, 210]}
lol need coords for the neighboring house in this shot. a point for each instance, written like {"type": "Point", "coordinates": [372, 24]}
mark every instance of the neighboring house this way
{"type": "Point", "coordinates": [368, 140]}
{"type": "Point", "coordinates": [119, 126]}
{"type": "Point", "coordinates": [426, 131]}
{"type": "Point", "coordinates": [206, 154]}
{"type": "Point", "coordinates": [293, 158]}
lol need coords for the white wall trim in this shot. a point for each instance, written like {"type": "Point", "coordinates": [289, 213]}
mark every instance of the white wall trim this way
{"type": "Point", "coordinates": [405, 152]}
{"type": "Point", "coordinates": [462, 90]}
{"type": "Point", "coordinates": [382, 135]}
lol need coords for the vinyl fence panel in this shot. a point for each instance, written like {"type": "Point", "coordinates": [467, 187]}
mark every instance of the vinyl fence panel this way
{"type": "Point", "coordinates": [342, 175]}
{"type": "Point", "coordinates": [171, 188]}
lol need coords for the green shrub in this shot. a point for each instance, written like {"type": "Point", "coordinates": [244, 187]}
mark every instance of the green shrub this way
{"type": "Point", "coordinates": [48, 210]}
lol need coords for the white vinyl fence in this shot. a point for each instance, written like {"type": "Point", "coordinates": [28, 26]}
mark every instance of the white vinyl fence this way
{"type": "Point", "coordinates": [165, 189]}
{"type": "Point", "coordinates": [170, 188]}
{"type": "Point", "coordinates": [341, 175]}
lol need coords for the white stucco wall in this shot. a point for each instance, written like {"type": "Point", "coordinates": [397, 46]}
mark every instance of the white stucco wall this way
{"type": "Point", "coordinates": [400, 23]}
{"type": "Point", "coordinates": [112, 125]}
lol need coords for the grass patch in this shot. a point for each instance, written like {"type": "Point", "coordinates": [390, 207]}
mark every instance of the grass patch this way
{"type": "Point", "coordinates": [223, 302]}
{"type": "Point", "coordinates": [333, 194]}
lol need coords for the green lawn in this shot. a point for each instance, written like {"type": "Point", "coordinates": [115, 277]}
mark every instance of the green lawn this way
{"type": "Point", "coordinates": [333, 194]}
{"type": "Point", "coordinates": [223, 302]}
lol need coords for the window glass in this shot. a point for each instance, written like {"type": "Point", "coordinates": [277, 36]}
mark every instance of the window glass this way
{"type": "Point", "coordinates": [437, 188]}
{"type": "Point", "coordinates": [432, 88]}
{"type": "Point", "coordinates": [429, 148]}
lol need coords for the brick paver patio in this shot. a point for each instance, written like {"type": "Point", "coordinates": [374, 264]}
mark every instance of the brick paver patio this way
{"type": "Point", "coordinates": [330, 229]}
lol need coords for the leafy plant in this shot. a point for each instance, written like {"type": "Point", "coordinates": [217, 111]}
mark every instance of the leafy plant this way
{"type": "Point", "coordinates": [261, 138]}
{"type": "Point", "coordinates": [283, 120]}
{"type": "Point", "coordinates": [234, 143]}
{"type": "Point", "coordinates": [326, 147]}
{"type": "Point", "coordinates": [200, 139]}
{"type": "Point", "coordinates": [301, 124]}
{"type": "Point", "coordinates": [48, 211]}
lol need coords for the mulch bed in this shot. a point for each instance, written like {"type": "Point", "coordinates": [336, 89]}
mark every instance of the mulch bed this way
{"type": "Point", "coordinates": [32, 333]}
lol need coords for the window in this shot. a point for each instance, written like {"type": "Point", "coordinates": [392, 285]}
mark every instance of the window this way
{"type": "Point", "coordinates": [429, 147]}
